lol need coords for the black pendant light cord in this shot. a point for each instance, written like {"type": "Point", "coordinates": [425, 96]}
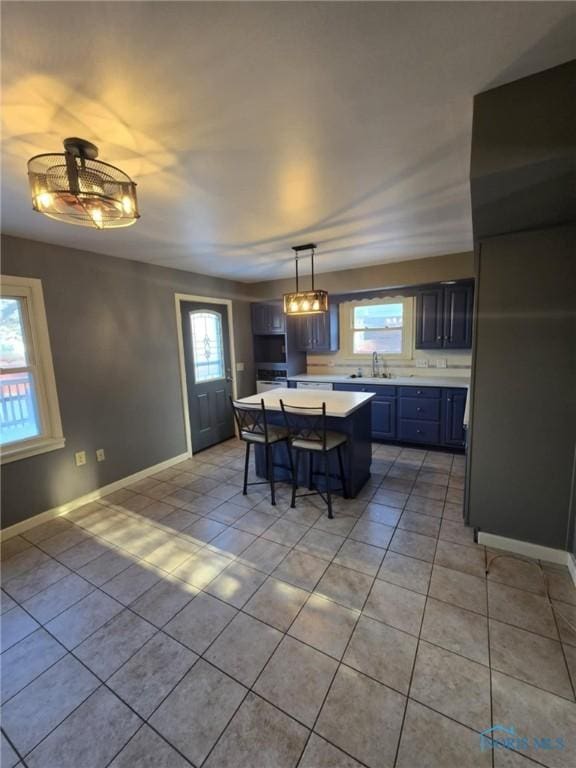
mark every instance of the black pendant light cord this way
{"type": "Point", "coordinates": [308, 247]}
{"type": "Point", "coordinates": [312, 263]}
{"type": "Point", "coordinates": [296, 273]}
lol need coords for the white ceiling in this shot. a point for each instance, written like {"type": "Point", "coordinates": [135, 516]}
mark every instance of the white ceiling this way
{"type": "Point", "coordinates": [252, 127]}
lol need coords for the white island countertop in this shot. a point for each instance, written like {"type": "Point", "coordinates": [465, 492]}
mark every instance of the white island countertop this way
{"type": "Point", "coordinates": [338, 404]}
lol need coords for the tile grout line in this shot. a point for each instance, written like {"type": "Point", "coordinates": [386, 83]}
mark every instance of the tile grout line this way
{"type": "Point", "coordinates": [268, 576]}
{"type": "Point", "coordinates": [403, 722]}
{"type": "Point", "coordinates": [240, 610]}
{"type": "Point", "coordinates": [16, 751]}
{"type": "Point", "coordinates": [557, 624]}
{"type": "Point", "coordinates": [285, 634]}
{"type": "Point", "coordinates": [489, 653]}
{"type": "Point", "coordinates": [337, 669]}
{"type": "Point", "coordinates": [104, 684]}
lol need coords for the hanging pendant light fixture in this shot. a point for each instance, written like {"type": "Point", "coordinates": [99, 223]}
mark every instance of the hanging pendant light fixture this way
{"type": "Point", "coordinates": [313, 302]}
{"type": "Point", "coordinates": [76, 188]}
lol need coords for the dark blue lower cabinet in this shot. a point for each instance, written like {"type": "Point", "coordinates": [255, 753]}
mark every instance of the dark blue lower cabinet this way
{"type": "Point", "coordinates": [412, 414]}
{"type": "Point", "coordinates": [419, 408]}
{"type": "Point", "coordinates": [413, 431]}
{"type": "Point", "coordinates": [384, 418]}
{"type": "Point", "coordinates": [454, 403]}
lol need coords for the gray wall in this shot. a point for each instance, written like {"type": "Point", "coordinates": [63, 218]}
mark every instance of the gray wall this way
{"type": "Point", "coordinates": [524, 388]}
{"type": "Point", "coordinates": [454, 266]}
{"type": "Point", "coordinates": [523, 160]}
{"type": "Point", "coordinates": [523, 419]}
{"type": "Point", "coordinates": [112, 328]}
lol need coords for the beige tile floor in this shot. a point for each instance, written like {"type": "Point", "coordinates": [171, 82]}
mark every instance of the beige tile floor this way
{"type": "Point", "coordinates": [177, 622]}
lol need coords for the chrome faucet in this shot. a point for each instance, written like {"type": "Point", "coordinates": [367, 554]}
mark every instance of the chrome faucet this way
{"type": "Point", "coordinates": [375, 365]}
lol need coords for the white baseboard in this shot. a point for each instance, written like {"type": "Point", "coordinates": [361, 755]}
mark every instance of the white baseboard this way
{"type": "Point", "coordinates": [572, 567]}
{"type": "Point", "coordinates": [527, 549]}
{"type": "Point", "coordinates": [63, 509]}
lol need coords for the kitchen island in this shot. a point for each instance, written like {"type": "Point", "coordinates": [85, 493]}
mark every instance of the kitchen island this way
{"type": "Point", "coordinates": [346, 412]}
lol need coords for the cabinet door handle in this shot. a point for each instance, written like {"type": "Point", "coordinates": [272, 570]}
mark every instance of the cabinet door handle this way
{"type": "Point", "coordinates": [418, 431]}
{"type": "Point", "coordinates": [438, 338]}
{"type": "Point", "coordinates": [449, 399]}
{"type": "Point", "coordinates": [419, 409]}
{"type": "Point", "coordinates": [418, 391]}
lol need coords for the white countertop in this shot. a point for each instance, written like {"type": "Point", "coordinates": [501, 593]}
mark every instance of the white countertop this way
{"type": "Point", "coordinates": [403, 381]}
{"type": "Point", "coordinates": [339, 404]}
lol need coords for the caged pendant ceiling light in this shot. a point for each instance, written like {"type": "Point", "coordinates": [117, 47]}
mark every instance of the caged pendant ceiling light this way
{"type": "Point", "coordinates": [312, 302]}
{"type": "Point", "coordinates": [75, 187]}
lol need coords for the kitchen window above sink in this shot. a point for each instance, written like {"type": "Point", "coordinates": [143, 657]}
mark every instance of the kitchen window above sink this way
{"type": "Point", "coordinates": [382, 326]}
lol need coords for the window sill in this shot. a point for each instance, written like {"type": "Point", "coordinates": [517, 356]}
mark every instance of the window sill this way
{"type": "Point", "coordinates": [17, 452]}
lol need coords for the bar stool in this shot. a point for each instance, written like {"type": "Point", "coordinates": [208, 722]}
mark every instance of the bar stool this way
{"type": "Point", "coordinates": [308, 434]}
{"type": "Point", "coordinates": [253, 428]}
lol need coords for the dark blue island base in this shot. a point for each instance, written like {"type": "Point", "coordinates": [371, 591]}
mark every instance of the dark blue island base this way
{"type": "Point", "coordinates": [357, 453]}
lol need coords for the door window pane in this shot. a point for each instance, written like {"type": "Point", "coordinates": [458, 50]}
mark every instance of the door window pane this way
{"type": "Point", "coordinates": [18, 408]}
{"type": "Point", "coordinates": [12, 337]}
{"type": "Point", "coordinates": [207, 346]}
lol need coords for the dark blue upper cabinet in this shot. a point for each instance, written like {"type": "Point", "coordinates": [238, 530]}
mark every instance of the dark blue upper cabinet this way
{"type": "Point", "coordinates": [458, 305]}
{"type": "Point", "coordinates": [444, 316]}
{"type": "Point", "coordinates": [317, 333]}
{"type": "Point", "coordinates": [267, 318]}
{"type": "Point", "coordinates": [429, 318]}
{"type": "Point", "coordinates": [454, 404]}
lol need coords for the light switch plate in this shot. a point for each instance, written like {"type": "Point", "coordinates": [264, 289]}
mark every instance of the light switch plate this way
{"type": "Point", "coordinates": [80, 458]}
{"type": "Point", "coordinates": [422, 363]}
{"type": "Point", "coordinates": [239, 367]}
{"type": "Point", "coordinates": [441, 362]}
{"type": "Point", "coordinates": [100, 454]}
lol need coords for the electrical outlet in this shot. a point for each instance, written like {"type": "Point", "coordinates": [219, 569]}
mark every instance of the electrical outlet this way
{"type": "Point", "coordinates": [422, 363]}
{"type": "Point", "coordinates": [100, 454]}
{"type": "Point", "coordinates": [441, 362]}
{"type": "Point", "coordinates": [80, 458]}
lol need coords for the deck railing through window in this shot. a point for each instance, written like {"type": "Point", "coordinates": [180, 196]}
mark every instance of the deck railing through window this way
{"type": "Point", "coordinates": [17, 408]}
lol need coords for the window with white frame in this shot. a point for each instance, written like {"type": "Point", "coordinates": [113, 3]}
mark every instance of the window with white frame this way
{"type": "Point", "coordinates": [29, 411]}
{"type": "Point", "coordinates": [380, 325]}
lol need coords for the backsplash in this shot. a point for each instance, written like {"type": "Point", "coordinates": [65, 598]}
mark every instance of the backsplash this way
{"type": "Point", "coordinates": [457, 364]}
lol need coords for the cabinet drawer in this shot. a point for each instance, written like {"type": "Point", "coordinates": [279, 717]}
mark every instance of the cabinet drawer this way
{"type": "Point", "coordinates": [419, 408]}
{"type": "Point", "coordinates": [421, 392]}
{"type": "Point", "coordinates": [379, 390]}
{"type": "Point", "coordinates": [419, 431]}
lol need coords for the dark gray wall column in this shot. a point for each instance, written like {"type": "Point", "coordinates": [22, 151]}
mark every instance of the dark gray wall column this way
{"type": "Point", "coordinates": [524, 392]}
{"type": "Point", "coordinates": [523, 419]}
